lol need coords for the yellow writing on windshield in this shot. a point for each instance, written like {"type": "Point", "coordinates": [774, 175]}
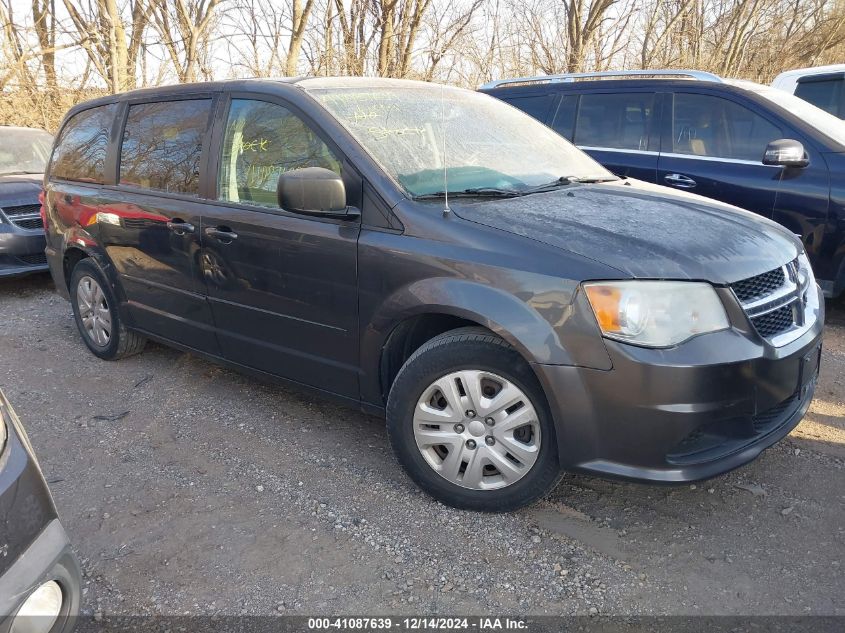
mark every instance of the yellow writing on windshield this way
{"type": "Point", "coordinates": [384, 132]}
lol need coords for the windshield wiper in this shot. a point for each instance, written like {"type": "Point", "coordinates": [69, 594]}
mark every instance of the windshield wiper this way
{"type": "Point", "coordinates": [565, 181]}
{"type": "Point", "coordinates": [476, 192]}
{"type": "Point", "coordinates": [496, 192]}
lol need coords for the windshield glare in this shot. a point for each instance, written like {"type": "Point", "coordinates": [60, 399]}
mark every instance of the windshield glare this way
{"type": "Point", "coordinates": [488, 144]}
{"type": "Point", "coordinates": [24, 151]}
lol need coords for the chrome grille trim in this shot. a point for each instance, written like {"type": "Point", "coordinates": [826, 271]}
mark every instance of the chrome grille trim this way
{"type": "Point", "coordinates": [776, 300]}
{"type": "Point", "coordinates": [767, 313]}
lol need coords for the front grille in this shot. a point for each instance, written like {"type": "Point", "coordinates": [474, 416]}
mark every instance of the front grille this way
{"type": "Point", "coordinates": [760, 286]}
{"type": "Point", "coordinates": [720, 438]}
{"type": "Point", "coordinates": [29, 223]}
{"type": "Point", "coordinates": [772, 418]}
{"type": "Point", "coordinates": [772, 300]}
{"type": "Point", "coordinates": [775, 322]}
{"type": "Point", "coordinates": [24, 209]}
{"type": "Point", "coordinates": [35, 259]}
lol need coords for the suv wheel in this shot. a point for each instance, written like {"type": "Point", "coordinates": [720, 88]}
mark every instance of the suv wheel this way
{"type": "Point", "coordinates": [468, 421]}
{"type": "Point", "coordinates": [95, 311]}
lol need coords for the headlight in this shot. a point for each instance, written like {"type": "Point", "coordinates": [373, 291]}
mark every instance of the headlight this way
{"type": "Point", "coordinates": [656, 313]}
{"type": "Point", "coordinates": [805, 272]}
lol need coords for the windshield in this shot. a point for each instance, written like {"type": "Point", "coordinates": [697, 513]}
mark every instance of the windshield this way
{"type": "Point", "coordinates": [829, 125]}
{"type": "Point", "coordinates": [24, 151]}
{"type": "Point", "coordinates": [489, 145]}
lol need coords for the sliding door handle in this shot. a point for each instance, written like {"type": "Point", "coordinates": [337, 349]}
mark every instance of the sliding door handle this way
{"type": "Point", "coordinates": [222, 234]}
{"type": "Point", "coordinates": [180, 227]}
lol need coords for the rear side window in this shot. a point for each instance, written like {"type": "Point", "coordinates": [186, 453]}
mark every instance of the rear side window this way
{"type": "Point", "coordinates": [263, 140]}
{"type": "Point", "coordinates": [162, 145]}
{"type": "Point", "coordinates": [705, 125]}
{"type": "Point", "coordinates": [618, 121]}
{"type": "Point", "coordinates": [80, 152]}
{"type": "Point", "coordinates": [827, 95]}
{"type": "Point", "coordinates": [538, 106]}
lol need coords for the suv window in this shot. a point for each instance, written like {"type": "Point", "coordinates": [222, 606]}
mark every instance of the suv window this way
{"type": "Point", "coordinates": [81, 149]}
{"type": "Point", "coordinates": [705, 125]}
{"type": "Point", "coordinates": [564, 121]}
{"type": "Point", "coordinates": [263, 140]}
{"type": "Point", "coordinates": [825, 94]}
{"type": "Point", "coordinates": [619, 121]}
{"type": "Point", "coordinates": [538, 106]}
{"type": "Point", "coordinates": [162, 145]}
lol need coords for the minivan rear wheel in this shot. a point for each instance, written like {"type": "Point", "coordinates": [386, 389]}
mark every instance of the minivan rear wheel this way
{"type": "Point", "coordinates": [97, 318]}
{"type": "Point", "coordinates": [468, 421]}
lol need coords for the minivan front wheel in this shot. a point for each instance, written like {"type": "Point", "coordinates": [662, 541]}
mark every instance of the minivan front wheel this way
{"type": "Point", "coordinates": [468, 421]}
{"type": "Point", "coordinates": [95, 311]}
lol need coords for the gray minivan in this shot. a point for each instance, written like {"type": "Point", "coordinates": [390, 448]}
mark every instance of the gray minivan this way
{"type": "Point", "coordinates": [435, 256]}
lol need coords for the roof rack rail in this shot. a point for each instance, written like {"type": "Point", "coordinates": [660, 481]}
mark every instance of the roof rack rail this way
{"type": "Point", "coordinates": [698, 75]}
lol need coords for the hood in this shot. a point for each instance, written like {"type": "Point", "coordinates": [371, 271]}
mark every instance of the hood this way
{"type": "Point", "coordinates": [644, 230]}
{"type": "Point", "coordinates": [20, 189]}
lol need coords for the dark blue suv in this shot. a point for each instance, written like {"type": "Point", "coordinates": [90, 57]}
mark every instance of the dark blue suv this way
{"type": "Point", "coordinates": [749, 145]}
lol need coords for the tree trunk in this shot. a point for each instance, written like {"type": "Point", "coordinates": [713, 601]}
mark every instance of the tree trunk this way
{"type": "Point", "coordinates": [299, 22]}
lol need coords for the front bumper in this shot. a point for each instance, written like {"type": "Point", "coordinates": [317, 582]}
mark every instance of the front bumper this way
{"type": "Point", "coordinates": [682, 414]}
{"type": "Point", "coordinates": [21, 250]}
{"type": "Point", "coordinates": [33, 545]}
{"type": "Point", "coordinates": [49, 557]}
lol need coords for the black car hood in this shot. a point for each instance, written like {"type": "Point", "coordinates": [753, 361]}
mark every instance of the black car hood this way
{"type": "Point", "coordinates": [20, 189]}
{"type": "Point", "coordinates": [644, 230]}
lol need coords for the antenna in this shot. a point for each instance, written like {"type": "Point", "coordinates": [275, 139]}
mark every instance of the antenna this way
{"type": "Point", "coordinates": [446, 209]}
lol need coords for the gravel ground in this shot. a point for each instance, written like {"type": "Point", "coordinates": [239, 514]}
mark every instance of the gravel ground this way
{"type": "Point", "coordinates": [191, 489]}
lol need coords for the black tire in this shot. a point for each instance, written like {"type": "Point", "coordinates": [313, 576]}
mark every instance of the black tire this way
{"type": "Point", "coordinates": [469, 348]}
{"type": "Point", "coordinates": [121, 342]}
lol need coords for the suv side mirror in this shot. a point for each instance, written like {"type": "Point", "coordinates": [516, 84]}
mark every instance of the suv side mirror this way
{"type": "Point", "coordinates": [314, 190]}
{"type": "Point", "coordinates": [785, 152]}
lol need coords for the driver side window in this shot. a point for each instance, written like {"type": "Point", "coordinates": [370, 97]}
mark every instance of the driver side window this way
{"type": "Point", "coordinates": [706, 125]}
{"type": "Point", "coordinates": [263, 140]}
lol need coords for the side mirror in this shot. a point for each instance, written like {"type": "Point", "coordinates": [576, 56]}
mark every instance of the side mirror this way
{"type": "Point", "coordinates": [785, 152]}
{"type": "Point", "coordinates": [313, 190]}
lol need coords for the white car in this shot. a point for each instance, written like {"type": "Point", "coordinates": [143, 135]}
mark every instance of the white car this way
{"type": "Point", "coordinates": [823, 86]}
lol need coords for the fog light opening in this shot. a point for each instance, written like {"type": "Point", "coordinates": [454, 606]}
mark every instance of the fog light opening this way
{"type": "Point", "coordinates": [40, 610]}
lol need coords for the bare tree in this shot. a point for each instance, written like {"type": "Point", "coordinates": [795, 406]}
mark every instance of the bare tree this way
{"type": "Point", "coordinates": [583, 22]}
{"type": "Point", "coordinates": [185, 28]}
{"type": "Point", "coordinates": [44, 21]}
{"type": "Point", "coordinates": [110, 41]}
{"type": "Point", "coordinates": [48, 48]}
{"type": "Point", "coordinates": [299, 19]}
{"type": "Point", "coordinates": [446, 30]}
{"type": "Point", "coordinates": [355, 35]}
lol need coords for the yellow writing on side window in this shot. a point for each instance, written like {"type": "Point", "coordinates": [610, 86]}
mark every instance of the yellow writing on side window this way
{"type": "Point", "coordinates": [266, 173]}
{"type": "Point", "coordinates": [262, 173]}
{"type": "Point", "coordinates": [255, 145]}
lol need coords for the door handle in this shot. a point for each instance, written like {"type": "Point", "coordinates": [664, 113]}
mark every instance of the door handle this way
{"type": "Point", "coordinates": [679, 180]}
{"type": "Point", "coordinates": [180, 227]}
{"type": "Point", "coordinates": [221, 234]}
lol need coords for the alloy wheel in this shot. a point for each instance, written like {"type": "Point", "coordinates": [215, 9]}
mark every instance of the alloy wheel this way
{"type": "Point", "coordinates": [94, 311]}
